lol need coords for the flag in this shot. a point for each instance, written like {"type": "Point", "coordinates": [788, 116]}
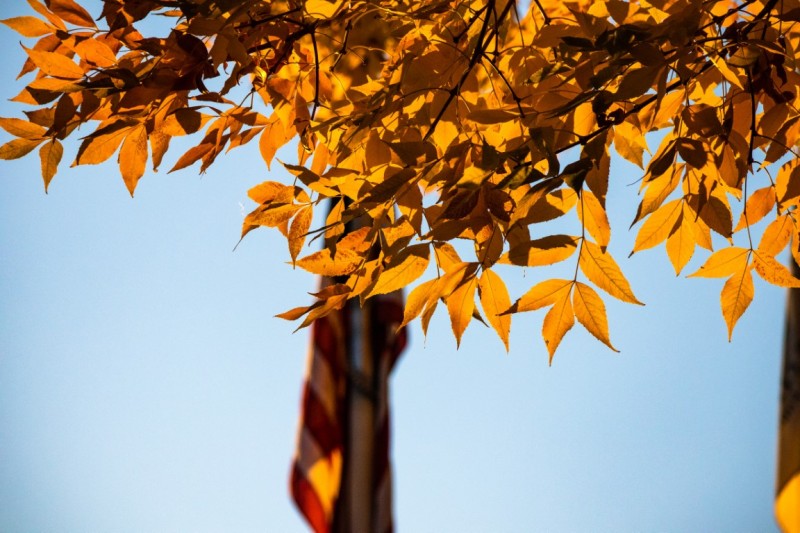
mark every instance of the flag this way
{"type": "Point", "coordinates": [787, 497]}
{"type": "Point", "coordinates": [341, 474]}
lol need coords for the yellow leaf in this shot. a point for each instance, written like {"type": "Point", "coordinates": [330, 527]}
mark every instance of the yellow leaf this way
{"type": "Point", "coordinates": [71, 12]}
{"type": "Point", "coordinates": [54, 64]}
{"type": "Point", "coordinates": [50, 154]}
{"type": "Point", "coordinates": [757, 206]}
{"type": "Point", "coordinates": [98, 148]}
{"type": "Point", "coordinates": [541, 295]}
{"type": "Point", "coordinates": [776, 235]}
{"type": "Point", "coordinates": [324, 264]}
{"type": "Point", "coordinates": [460, 305]}
{"type": "Point", "coordinates": [603, 271]}
{"type": "Point", "coordinates": [22, 128]}
{"type": "Point", "coordinates": [416, 301]}
{"type": "Point", "coordinates": [680, 244]}
{"type": "Point", "coordinates": [271, 191]}
{"type": "Point", "coordinates": [272, 215]}
{"type": "Point", "coordinates": [402, 269]}
{"type": "Point", "coordinates": [18, 148]}
{"type": "Point", "coordinates": [96, 52]}
{"type": "Point", "coordinates": [272, 137]}
{"type": "Point", "coordinates": [27, 26]}
{"type": "Point", "coordinates": [298, 231]}
{"type": "Point", "coordinates": [591, 312]}
{"type": "Point", "coordinates": [736, 297]}
{"type": "Point", "coordinates": [558, 320]}
{"type": "Point", "coordinates": [133, 157]}
{"type": "Point", "coordinates": [495, 300]}
{"type": "Point", "coordinates": [658, 226]}
{"type": "Point", "coordinates": [540, 252]}
{"type": "Point", "coordinates": [723, 263]}
{"type": "Point", "coordinates": [594, 218]}
{"type": "Point", "coordinates": [773, 272]}
{"type": "Point", "coordinates": [184, 121]}
{"type": "Point", "coordinates": [322, 9]}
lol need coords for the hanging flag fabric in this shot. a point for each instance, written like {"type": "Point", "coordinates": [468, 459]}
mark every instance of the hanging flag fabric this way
{"type": "Point", "coordinates": [787, 498]}
{"type": "Point", "coordinates": [341, 476]}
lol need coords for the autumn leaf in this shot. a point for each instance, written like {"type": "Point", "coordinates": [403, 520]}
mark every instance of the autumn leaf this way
{"type": "Point", "coordinates": [723, 263]}
{"type": "Point", "coordinates": [591, 312]}
{"type": "Point", "coordinates": [298, 231]}
{"type": "Point", "coordinates": [460, 306]}
{"type": "Point", "coordinates": [558, 320]}
{"type": "Point", "coordinates": [495, 300]}
{"type": "Point", "coordinates": [603, 271]}
{"type": "Point", "coordinates": [402, 269]}
{"type": "Point", "coordinates": [737, 293]}
{"type": "Point", "coordinates": [55, 65]}
{"type": "Point", "coordinates": [541, 295]}
{"type": "Point", "coordinates": [133, 157]}
{"type": "Point", "coordinates": [773, 272]}
{"type": "Point", "coordinates": [50, 154]}
{"type": "Point", "coordinates": [27, 26]}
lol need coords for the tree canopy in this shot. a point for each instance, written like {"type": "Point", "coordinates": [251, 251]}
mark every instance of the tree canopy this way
{"type": "Point", "coordinates": [420, 124]}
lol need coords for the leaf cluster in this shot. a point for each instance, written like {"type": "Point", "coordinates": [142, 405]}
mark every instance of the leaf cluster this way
{"type": "Point", "coordinates": [423, 123]}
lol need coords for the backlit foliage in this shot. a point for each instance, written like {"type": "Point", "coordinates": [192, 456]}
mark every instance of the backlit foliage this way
{"type": "Point", "coordinates": [424, 122]}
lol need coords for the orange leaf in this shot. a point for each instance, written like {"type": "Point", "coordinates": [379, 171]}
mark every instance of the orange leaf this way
{"type": "Point", "coordinates": [96, 52]}
{"type": "Point", "coordinates": [55, 64]}
{"type": "Point", "coordinates": [541, 295]}
{"type": "Point", "coordinates": [591, 312]}
{"type": "Point", "coordinates": [402, 269]}
{"type": "Point", "coordinates": [723, 263]}
{"type": "Point", "coordinates": [323, 264]}
{"type": "Point", "coordinates": [22, 128]}
{"type": "Point", "coordinates": [758, 205]}
{"type": "Point", "coordinates": [18, 148]}
{"type": "Point", "coordinates": [495, 300]}
{"type": "Point", "coordinates": [540, 252]}
{"type": "Point", "coordinates": [133, 157]}
{"type": "Point", "coordinates": [298, 231]}
{"type": "Point", "coordinates": [460, 305]}
{"type": "Point", "coordinates": [681, 244]}
{"type": "Point", "coordinates": [558, 320]}
{"type": "Point", "coordinates": [603, 271]}
{"type": "Point", "coordinates": [71, 12]}
{"type": "Point", "coordinates": [776, 235]}
{"type": "Point", "coordinates": [658, 226]}
{"type": "Point", "coordinates": [50, 154]}
{"type": "Point", "coordinates": [736, 297]}
{"type": "Point", "coordinates": [417, 300]}
{"type": "Point", "coordinates": [594, 218]}
{"type": "Point", "coordinates": [98, 148]}
{"type": "Point", "coordinates": [773, 272]}
{"type": "Point", "coordinates": [27, 26]}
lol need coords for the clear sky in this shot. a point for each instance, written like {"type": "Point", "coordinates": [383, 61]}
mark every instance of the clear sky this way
{"type": "Point", "coordinates": [146, 387]}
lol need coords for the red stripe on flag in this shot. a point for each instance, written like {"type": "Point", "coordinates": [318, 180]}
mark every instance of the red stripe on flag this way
{"type": "Point", "coordinates": [331, 383]}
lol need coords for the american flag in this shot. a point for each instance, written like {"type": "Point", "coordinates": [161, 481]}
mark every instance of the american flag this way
{"type": "Point", "coordinates": [787, 498]}
{"type": "Point", "coordinates": [341, 476]}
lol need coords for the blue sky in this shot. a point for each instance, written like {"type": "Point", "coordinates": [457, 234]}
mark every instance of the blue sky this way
{"type": "Point", "coordinates": [145, 385]}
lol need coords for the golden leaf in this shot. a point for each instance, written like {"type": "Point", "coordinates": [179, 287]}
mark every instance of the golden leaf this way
{"type": "Point", "coordinates": [50, 154]}
{"type": "Point", "coordinates": [541, 295]}
{"type": "Point", "coordinates": [27, 26]}
{"type": "Point", "coordinates": [324, 264]}
{"type": "Point", "coordinates": [591, 312]}
{"type": "Point", "coordinates": [737, 293]}
{"type": "Point", "coordinates": [298, 231]}
{"type": "Point", "coordinates": [758, 205]}
{"type": "Point", "coordinates": [540, 252]}
{"type": "Point", "coordinates": [55, 64]}
{"type": "Point", "coordinates": [416, 301]}
{"type": "Point", "coordinates": [681, 244]}
{"type": "Point", "coordinates": [97, 148]}
{"type": "Point", "coordinates": [495, 300]}
{"type": "Point", "coordinates": [658, 226]}
{"type": "Point", "coordinates": [773, 272]}
{"type": "Point", "coordinates": [133, 157]}
{"type": "Point", "coordinates": [558, 320]}
{"type": "Point", "coordinates": [96, 52]}
{"type": "Point", "coordinates": [18, 148]}
{"type": "Point", "coordinates": [402, 269]}
{"type": "Point", "coordinates": [723, 263]}
{"type": "Point", "coordinates": [71, 12]}
{"type": "Point", "coordinates": [22, 128]}
{"type": "Point", "coordinates": [460, 305]}
{"type": "Point", "coordinates": [594, 218]}
{"type": "Point", "coordinates": [776, 235]}
{"type": "Point", "coordinates": [603, 271]}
